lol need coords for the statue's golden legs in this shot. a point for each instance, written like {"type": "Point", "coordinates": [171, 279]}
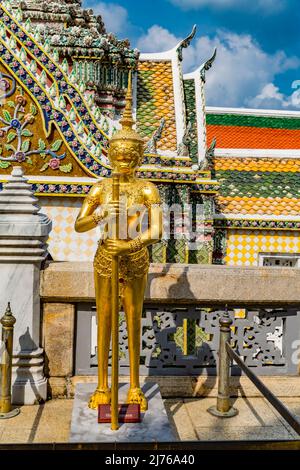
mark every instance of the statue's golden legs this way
{"type": "Point", "coordinates": [133, 296]}
{"type": "Point", "coordinates": [133, 306]}
{"type": "Point", "coordinates": [102, 394]}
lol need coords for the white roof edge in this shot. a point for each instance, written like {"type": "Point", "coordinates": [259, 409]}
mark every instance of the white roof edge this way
{"type": "Point", "coordinates": [259, 153]}
{"type": "Point", "coordinates": [157, 56]}
{"type": "Point", "coordinates": [192, 75]}
{"type": "Point", "coordinates": [195, 73]}
{"type": "Point", "coordinates": [253, 112]}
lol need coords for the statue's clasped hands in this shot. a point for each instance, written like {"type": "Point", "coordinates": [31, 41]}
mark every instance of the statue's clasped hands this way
{"type": "Point", "coordinates": [118, 247]}
{"type": "Point", "coordinates": [113, 209]}
{"type": "Point", "coordinates": [115, 246]}
{"type": "Point", "coordinates": [107, 213]}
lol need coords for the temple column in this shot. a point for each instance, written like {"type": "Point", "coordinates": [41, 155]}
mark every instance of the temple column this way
{"type": "Point", "coordinates": [23, 233]}
{"type": "Point", "coordinates": [208, 203]}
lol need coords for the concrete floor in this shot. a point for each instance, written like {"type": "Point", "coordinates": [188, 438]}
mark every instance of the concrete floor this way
{"type": "Point", "coordinates": [256, 420]}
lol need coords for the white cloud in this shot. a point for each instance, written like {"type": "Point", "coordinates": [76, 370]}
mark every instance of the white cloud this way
{"type": "Point", "coordinates": [114, 16]}
{"type": "Point", "coordinates": [268, 6]}
{"type": "Point", "coordinates": [157, 39]}
{"type": "Point", "coordinates": [242, 74]}
{"type": "Point", "coordinates": [270, 97]}
{"type": "Point", "coordinates": [242, 69]}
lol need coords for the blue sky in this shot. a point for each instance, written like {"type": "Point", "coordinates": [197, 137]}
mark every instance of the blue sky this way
{"type": "Point", "coordinates": [258, 43]}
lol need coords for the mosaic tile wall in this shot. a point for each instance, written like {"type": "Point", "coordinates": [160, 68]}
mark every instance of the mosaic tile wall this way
{"type": "Point", "coordinates": [155, 100]}
{"type": "Point", "coordinates": [244, 246]}
{"type": "Point", "coordinates": [64, 243]}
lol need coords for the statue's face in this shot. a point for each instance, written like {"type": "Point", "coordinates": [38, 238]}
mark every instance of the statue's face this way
{"type": "Point", "coordinates": [125, 156]}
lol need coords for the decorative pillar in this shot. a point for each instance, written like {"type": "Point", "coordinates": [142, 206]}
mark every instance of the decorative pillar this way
{"type": "Point", "coordinates": [23, 233]}
{"type": "Point", "coordinates": [203, 254]}
{"type": "Point", "coordinates": [182, 197]}
{"type": "Point", "coordinates": [208, 202]}
{"type": "Point", "coordinates": [158, 250]}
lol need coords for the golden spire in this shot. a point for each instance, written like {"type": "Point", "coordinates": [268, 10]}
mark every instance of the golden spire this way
{"type": "Point", "coordinates": [127, 132]}
{"type": "Point", "coordinates": [127, 119]}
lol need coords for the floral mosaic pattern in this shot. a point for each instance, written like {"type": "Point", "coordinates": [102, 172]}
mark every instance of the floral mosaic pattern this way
{"type": "Point", "coordinates": [16, 135]}
{"type": "Point", "coordinates": [65, 89]}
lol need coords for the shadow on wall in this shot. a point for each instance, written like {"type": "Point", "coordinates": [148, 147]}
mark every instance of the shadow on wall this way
{"type": "Point", "coordinates": [171, 357]}
{"type": "Point", "coordinates": [24, 377]}
{"type": "Point", "coordinates": [182, 283]}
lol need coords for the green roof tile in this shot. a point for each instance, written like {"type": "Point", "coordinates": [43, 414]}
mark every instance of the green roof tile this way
{"type": "Point", "coordinates": [253, 121]}
{"type": "Point", "coordinates": [246, 184]}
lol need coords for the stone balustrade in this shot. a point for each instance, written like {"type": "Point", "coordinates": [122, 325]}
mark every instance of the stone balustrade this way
{"type": "Point", "coordinates": [263, 301]}
{"type": "Point", "coordinates": [181, 283]}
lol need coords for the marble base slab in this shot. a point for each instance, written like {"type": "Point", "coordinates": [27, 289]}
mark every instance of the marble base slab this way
{"type": "Point", "coordinates": [155, 424]}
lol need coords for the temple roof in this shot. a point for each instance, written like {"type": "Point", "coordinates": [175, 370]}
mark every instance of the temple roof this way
{"type": "Point", "coordinates": [73, 30]}
{"type": "Point", "coordinates": [64, 135]}
{"type": "Point", "coordinates": [256, 161]}
{"type": "Point", "coordinates": [259, 186]}
{"type": "Point", "coordinates": [253, 129]}
{"type": "Point", "coordinates": [156, 101]}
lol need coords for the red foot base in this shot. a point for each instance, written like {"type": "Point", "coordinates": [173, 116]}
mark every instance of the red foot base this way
{"type": "Point", "coordinates": [127, 414]}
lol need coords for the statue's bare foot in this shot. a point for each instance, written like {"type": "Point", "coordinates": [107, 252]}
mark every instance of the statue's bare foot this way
{"type": "Point", "coordinates": [136, 396]}
{"type": "Point", "coordinates": [101, 396]}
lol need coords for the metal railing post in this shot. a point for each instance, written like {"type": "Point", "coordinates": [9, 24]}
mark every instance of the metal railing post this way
{"type": "Point", "coordinates": [7, 322]}
{"type": "Point", "coordinates": [224, 408]}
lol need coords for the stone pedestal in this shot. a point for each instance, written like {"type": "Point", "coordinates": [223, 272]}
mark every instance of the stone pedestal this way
{"type": "Point", "coordinates": [155, 426]}
{"type": "Point", "coordinates": [58, 341]}
{"type": "Point", "coordinates": [23, 233]}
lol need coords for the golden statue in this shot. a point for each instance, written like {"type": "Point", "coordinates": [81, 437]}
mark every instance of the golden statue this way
{"type": "Point", "coordinates": [139, 198]}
